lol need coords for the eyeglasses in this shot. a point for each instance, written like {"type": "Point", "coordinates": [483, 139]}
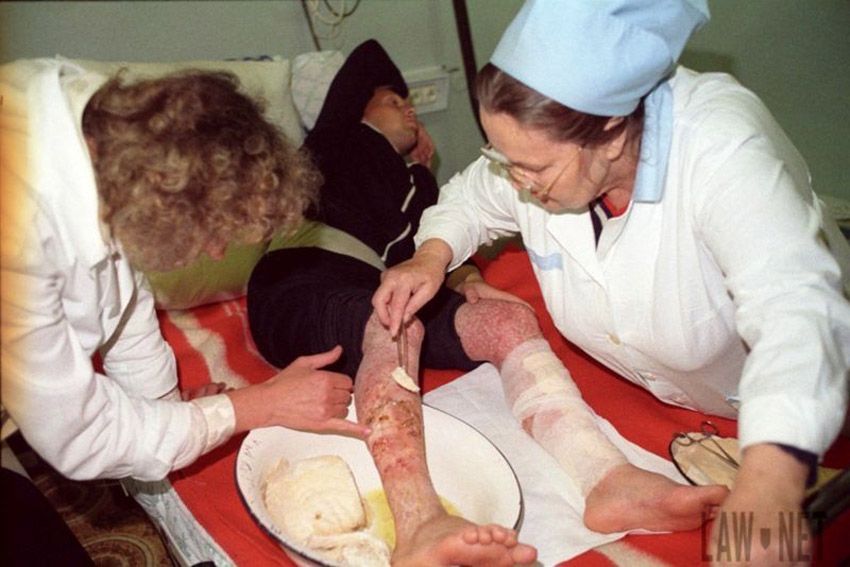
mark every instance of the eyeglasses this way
{"type": "Point", "coordinates": [520, 178]}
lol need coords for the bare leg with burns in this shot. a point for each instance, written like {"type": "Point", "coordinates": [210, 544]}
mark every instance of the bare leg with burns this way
{"type": "Point", "coordinates": [545, 400]}
{"type": "Point", "coordinates": [425, 533]}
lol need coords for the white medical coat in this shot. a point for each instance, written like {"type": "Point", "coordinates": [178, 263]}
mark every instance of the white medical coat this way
{"type": "Point", "coordinates": [721, 294]}
{"type": "Point", "coordinates": [69, 292]}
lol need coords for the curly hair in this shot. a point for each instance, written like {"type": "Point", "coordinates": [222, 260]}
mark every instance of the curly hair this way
{"type": "Point", "coordinates": [499, 92]}
{"type": "Point", "coordinates": [186, 159]}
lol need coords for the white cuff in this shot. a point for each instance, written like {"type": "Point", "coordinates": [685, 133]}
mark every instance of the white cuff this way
{"type": "Point", "coordinates": [220, 419]}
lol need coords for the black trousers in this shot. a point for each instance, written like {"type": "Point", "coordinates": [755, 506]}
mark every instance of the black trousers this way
{"type": "Point", "coordinates": [307, 300]}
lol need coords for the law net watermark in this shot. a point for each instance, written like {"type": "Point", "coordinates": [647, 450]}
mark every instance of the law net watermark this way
{"type": "Point", "coordinates": [738, 540]}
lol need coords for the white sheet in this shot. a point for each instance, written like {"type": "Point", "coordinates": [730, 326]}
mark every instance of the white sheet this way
{"type": "Point", "coordinates": [553, 505]}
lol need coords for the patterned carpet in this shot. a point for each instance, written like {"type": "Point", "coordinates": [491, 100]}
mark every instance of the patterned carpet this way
{"type": "Point", "coordinates": [112, 528]}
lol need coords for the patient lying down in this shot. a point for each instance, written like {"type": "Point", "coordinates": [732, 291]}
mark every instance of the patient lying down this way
{"type": "Point", "coordinates": [489, 324]}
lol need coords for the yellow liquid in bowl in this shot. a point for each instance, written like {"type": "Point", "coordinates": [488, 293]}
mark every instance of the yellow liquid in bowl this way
{"type": "Point", "coordinates": [380, 519]}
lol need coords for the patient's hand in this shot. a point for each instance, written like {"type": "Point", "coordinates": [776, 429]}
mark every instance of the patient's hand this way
{"type": "Point", "coordinates": [423, 151]}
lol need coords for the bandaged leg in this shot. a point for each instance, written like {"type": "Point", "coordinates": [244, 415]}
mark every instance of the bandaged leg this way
{"type": "Point", "coordinates": [545, 400]}
{"type": "Point", "coordinates": [538, 388]}
{"type": "Point", "coordinates": [619, 496]}
{"type": "Point", "coordinates": [543, 397]}
{"type": "Point", "coordinates": [425, 533]}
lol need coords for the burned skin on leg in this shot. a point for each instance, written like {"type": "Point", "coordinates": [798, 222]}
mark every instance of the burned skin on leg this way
{"type": "Point", "coordinates": [490, 329]}
{"type": "Point", "coordinates": [425, 533]}
{"type": "Point", "coordinates": [398, 449]}
{"type": "Point", "coordinates": [397, 441]}
{"type": "Point", "coordinates": [396, 433]}
{"type": "Point", "coordinates": [393, 413]}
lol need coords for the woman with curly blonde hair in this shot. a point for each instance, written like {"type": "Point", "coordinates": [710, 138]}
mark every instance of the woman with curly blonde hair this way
{"type": "Point", "coordinates": [102, 177]}
{"type": "Point", "coordinates": [187, 164]}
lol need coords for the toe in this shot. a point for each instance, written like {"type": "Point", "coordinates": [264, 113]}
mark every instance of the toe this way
{"type": "Point", "coordinates": [485, 535]}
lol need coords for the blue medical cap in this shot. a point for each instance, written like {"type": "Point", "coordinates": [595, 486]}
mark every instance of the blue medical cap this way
{"type": "Point", "coordinates": [597, 56]}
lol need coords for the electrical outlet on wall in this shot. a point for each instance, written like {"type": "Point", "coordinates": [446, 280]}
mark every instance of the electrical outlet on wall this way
{"type": "Point", "coordinates": [429, 88]}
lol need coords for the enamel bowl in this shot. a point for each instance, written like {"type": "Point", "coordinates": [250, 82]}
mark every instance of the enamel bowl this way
{"type": "Point", "coordinates": [466, 469]}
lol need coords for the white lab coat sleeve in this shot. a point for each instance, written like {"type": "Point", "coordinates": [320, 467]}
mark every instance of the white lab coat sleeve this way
{"type": "Point", "coordinates": [143, 364]}
{"type": "Point", "coordinates": [475, 207]}
{"type": "Point", "coordinates": [752, 208]}
{"type": "Point", "coordinates": [137, 357]}
{"type": "Point", "coordinates": [84, 423]}
{"type": "Point", "coordinates": [81, 422]}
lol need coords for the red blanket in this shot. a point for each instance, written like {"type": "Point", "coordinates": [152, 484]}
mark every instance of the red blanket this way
{"type": "Point", "coordinates": [211, 338]}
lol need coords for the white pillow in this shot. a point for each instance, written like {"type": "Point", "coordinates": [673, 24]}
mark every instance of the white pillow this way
{"type": "Point", "coordinates": [267, 80]}
{"type": "Point", "coordinates": [312, 74]}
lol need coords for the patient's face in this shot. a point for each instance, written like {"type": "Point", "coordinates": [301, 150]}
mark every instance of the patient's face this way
{"type": "Point", "coordinates": [394, 117]}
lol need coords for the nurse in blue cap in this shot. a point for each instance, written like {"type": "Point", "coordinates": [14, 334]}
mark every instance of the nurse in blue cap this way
{"type": "Point", "coordinates": [673, 230]}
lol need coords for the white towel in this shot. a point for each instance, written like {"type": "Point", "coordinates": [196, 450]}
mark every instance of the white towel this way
{"type": "Point", "coordinates": [553, 505]}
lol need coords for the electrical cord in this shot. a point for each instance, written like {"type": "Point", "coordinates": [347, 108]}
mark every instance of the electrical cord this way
{"type": "Point", "coordinates": [331, 17]}
{"type": "Point", "coordinates": [310, 25]}
{"type": "Point", "coordinates": [311, 11]}
{"type": "Point", "coordinates": [344, 13]}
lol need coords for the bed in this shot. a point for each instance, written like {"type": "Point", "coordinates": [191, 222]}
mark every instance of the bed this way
{"type": "Point", "coordinates": [203, 317]}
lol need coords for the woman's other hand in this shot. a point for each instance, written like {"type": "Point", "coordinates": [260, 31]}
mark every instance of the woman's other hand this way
{"type": "Point", "coordinates": [468, 281]}
{"type": "Point", "coordinates": [767, 498]}
{"type": "Point", "coordinates": [301, 396]}
{"type": "Point", "coordinates": [406, 287]}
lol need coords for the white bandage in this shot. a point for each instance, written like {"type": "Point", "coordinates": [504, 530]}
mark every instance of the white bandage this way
{"type": "Point", "coordinates": [219, 420]}
{"type": "Point", "coordinates": [546, 401]}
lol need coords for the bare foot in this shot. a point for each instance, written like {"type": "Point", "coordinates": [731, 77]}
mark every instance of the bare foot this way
{"type": "Point", "coordinates": [450, 540]}
{"type": "Point", "coordinates": [629, 498]}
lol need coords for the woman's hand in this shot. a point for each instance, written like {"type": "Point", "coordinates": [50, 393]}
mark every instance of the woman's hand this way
{"type": "Point", "coordinates": [475, 291]}
{"type": "Point", "coordinates": [468, 281]}
{"type": "Point", "coordinates": [765, 504]}
{"type": "Point", "coordinates": [301, 396]}
{"type": "Point", "coordinates": [423, 151]}
{"type": "Point", "coordinates": [406, 287]}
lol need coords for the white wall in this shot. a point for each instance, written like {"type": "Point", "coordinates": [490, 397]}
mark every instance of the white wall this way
{"type": "Point", "coordinates": [416, 33]}
{"type": "Point", "coordinates": [794, 54]}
